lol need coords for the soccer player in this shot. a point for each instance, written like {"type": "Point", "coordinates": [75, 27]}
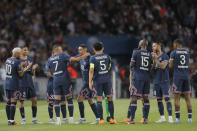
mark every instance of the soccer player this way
{"type": "Point", "coordinates": [50, 98]}
{"type": "Point", "coordinates": [141, 61]}
{"type": "Point", "coordinates": [85, 92]}
{"type": "Point", "coordinates": [179, 62]}
{"type": "Point", "coordinates": [14, 70]}
{"type": "Point", "coordinates": [61, 80]}
{"type": "Point", "coordinates": [27, 86]}
{"type": "Point", "coordinates": [100, 79]}
{"type": "Point", "coordinates": [161, 81]}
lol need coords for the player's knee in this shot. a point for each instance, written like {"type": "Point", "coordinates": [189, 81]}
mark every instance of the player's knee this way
{"type": "Point", "coordinates": [50, 105]}
{"type": "Point", "coordinates": [109, 98]}
{"type": "Point", "coordinates": [100, 99]}
{"type": "Point", "coordinates": [79, 99]}
{"type": "Point", "coordinates": [159, 100]}
{"type": "Point", "coordinates": [69, 97]}
{"type": "Point", "coordinates": [90, 101]}
{"type": "Point", "coordinates": [167, 99]}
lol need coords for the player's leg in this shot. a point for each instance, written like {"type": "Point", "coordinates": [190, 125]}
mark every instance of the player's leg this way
{"type": "Point", "coordinates": [187, 91]}
{"type": "Point", "coordinates": [68, 93]}
{"type": "Point", "coordinates": [126, 120]}
{"type": "Point", "coordinates": [146, 91]}
{"type": "Point", "coordinates": [177, 85]}
{"type": "Point", "coordinates": [57, 95]}
{"type": "Point", "coordinates": [133, 108]}
{"type": "Point", "coordinates": [22, 111]}
{"type": "Point", "coordinates": [93, 107]}
{"type": "Point", "coordinates": [142, 120]}
{"type": "Point", "coordinates": [15, 96]}
{"type": "Point", "coordinates": [50, 100]}
{"type": "Point", "coordinates": [157, 93]}
{"type": "Point", "coordinates": [166, 95]}
{"type": "Point", "coordinates": [8, 104]}
{"type": "Point", "coordinates": [63, 110]}
{"type": "Point", "coordinates": [34, 110]}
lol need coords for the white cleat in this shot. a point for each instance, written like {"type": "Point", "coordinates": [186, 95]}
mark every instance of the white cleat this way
{"type": "Point", "coordinates": [160, 121]}
{"type": "Point", "coordinates": [65, 120]}
{"type": "Point", "coordinates": [95, 122]}
{"type": "Point", "coordinates": [70, 120]}
{"type": "Point", "coordinates": [23, 122]}
{"type": "Point", "coordinates": [52, 121]}
{"type": "Point", "coordinates": [81, 121]}
{"type": "Point", "coordinates": [58, 123]}
{"type": "Point", "coordinates": [170, 120]}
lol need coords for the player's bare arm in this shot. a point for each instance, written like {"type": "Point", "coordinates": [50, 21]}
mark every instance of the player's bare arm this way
{"type": "Point", "coordinates": [161, 65]}
{"type": "Point", "coordinates": [171, 64]}
{"type": "Point", "coordinates": [21, 73]}
{"type": "Point", "coordinates": [91, 73]}
{"type": "Point", "coordinates": [72, 59]}
{"type": "Point", "coordinates": [130, 79]}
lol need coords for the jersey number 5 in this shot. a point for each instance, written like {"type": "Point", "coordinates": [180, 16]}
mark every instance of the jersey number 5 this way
{"type": "Point", "coordinates": [103, 66]}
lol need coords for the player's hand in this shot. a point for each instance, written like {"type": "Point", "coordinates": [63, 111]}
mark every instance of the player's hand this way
{"type": "Point", "coordinates": [87, 54]}
{"type": "Point", "coordinates": [91, 85]}
{"type": "Point", "coordinates": [29, 65]}
{"type": "Point", "coordinates": [35, 66]}
{"type": "Point", "coordinates": [130, 87]}
{"type": "Point", "coordinates": [154, 55]}
{"type": "Point", "coordinates": [23, 64]}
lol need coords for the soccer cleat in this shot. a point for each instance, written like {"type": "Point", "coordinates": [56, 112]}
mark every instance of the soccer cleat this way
{"type": "Point", "coordinates": [170, 120]}
{"type": "Point", "coordinates": [52, 121]}
{"type": "Point", "coordinates": [126, 120]}
{"type": "Point", "coordinates": [23, 122]}
{"type": "Point", "coordinates": [177, 121]}
{"type": "Point", "coordinates": [81, 121]}
{"type": "Point", "coordinates": [65, 120]}
{"type": "Point", "coordinates": [101, 122]}
{"type": "Point", "coordinates": [112, 121]}
{"type": "Point", "coordinates": [142, 120]}
{"type": "Point", "coordinates": [95, 122]}
{"type": "Point", "coordinates": [36, 122]}
{"type": "Point", "coordinates": [131, 122]}
{"type": "Point", "coordinates": [70, 120]}
{"type": "Point", "coordinates": [190, 121]}
{"type": "Point", "coordinates": [13, 123]}
{"type": "Point", "coordinates": [58, 123]}
{"type": "Point", "coordinates": [145, 122]}
{"type": "Point", "coordinates": [160, 121]}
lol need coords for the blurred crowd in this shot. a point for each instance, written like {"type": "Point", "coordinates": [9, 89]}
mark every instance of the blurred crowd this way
{"type": "Point", "coordinates": [40, 23]}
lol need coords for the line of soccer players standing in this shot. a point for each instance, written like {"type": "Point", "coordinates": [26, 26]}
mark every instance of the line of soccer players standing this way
{"type": "Point", "coordinates": [96, 76]}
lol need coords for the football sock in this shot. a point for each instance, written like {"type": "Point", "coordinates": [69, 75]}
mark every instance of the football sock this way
{"type": "Point", "coordinates": [160, 107]}
{"type": "Point", "coordinates": [146, 109]}
{"type": "Point", "coordinates": [22, 112]}
{"type": "Point", "coordinates": [93, 107]}
{"type": "Point", "coordinates": [189, 113]}
{"type": "Point", "coordinates": [111, 109]}
{"type": "Point", "coordinates": [133, 108]}
{"type": "Point", "coordinates": [169, 106]}
{"type": "Point", "coordinates": [129, 113]}
{"type": "Point", "coordinates": [143, 109]}
{"type": "Point", "coordinates": [34, 111]}
{"type": "Point", "coordinates": [7, 108]}
{"type": "Point", "coordinates": [12, 110]}
{"type": "Point", "coordinates": [177, 113]}
{"type": "Point", "coordinates": [81, 109]}
{"type": "Point", "coordinates": [63, 110]}
{"type": "Point", "coordinates": [70, 107]}
{"type": "Point", "coordinates": [50, 110]}
{"type": "Point", "coordinates": [57, 108]}
{"type": "Point", "coordinates": [100, 110]}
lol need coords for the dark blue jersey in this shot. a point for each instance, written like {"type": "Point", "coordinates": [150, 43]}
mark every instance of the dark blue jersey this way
{"type": "Point", "coordinates": [85, 66]}
{"type": "Point", "coordinates": [58, 67]}
{"type": "Point", "coordinates": [102, 65]}
{"type": "Point", "coordinates": [50, 80]}
{"type": "Point", "coordinates": [181, 63]}
{"type": "Point", "coordinates": [161, 75]}
{"type": "Point", "coordinates": [143, 61]}
{"type": "Point", "coordinates": [12, 73]}
{"type": "Point", "coordinates": [26, 80]}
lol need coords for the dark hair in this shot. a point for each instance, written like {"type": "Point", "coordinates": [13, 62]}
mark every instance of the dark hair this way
{"type": "Point", "coordinates": [83, 46]}
{"type": "Point", "coordinates": [24, 46]}
{"type": "Point", "coordinates": [178, 41]}
{"type": "Point", "coordinates": [98, 46]}
{"type": "Point", "coordinates": [160, 44]}
{"type": "Point", "coordinates": [56, 46]}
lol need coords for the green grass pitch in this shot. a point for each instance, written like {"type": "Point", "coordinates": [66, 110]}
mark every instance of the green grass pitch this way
{"type": "Point", "coordinates": [121, 107]}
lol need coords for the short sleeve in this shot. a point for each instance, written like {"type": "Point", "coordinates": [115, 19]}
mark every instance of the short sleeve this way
{"type": "Point", "coordinates": [134, 56]}
{"type": "Point", "coordinates": [47, 69]}
{"type": "Point", "coordinates": [19, 67]}
{"type": "Point", "coordinates": [172, 55]}
{"type": "Point", "coordinates": [66, 57]}
{"type": "Point", "coordinates": [92, 62]}
{"type": "Point", "coordinates": [165, 58]}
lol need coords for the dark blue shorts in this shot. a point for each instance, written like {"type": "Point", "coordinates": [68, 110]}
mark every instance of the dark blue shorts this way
{"type": "Point", "coordinates": [140, 88]}
{"type": "Point", "coordinates": [181, 85]}
{"type": "Point", "coordinates": [51, 99]}
{"type": "Point", "coordinates": [101, 88]}
{"type": "Point", "coordinates": [161, 90]}
{"type": "Point", "coordinates": [64, 90]}
{"type": "Point", "coordinates": [86, 92]}
{"type": "Point", "coordinates": [27, 93]}
{"type": "Point", "coordinates": [12, 94]}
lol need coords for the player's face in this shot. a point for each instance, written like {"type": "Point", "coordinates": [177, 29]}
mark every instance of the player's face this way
{"type": "Point", "coordinates": [154, 47]}
{"type": "Point", "coordinates": [25, 51]}
{"type": "Point", "coordinates": [17, 55]}
{"type": "Point", "coordinates": [81, 50]}
{"type": "Point", "coordinates": [174, 45]}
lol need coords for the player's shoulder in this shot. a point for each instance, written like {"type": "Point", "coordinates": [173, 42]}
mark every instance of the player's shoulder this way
{"type": "Point", "coordinates": [165, 55]}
